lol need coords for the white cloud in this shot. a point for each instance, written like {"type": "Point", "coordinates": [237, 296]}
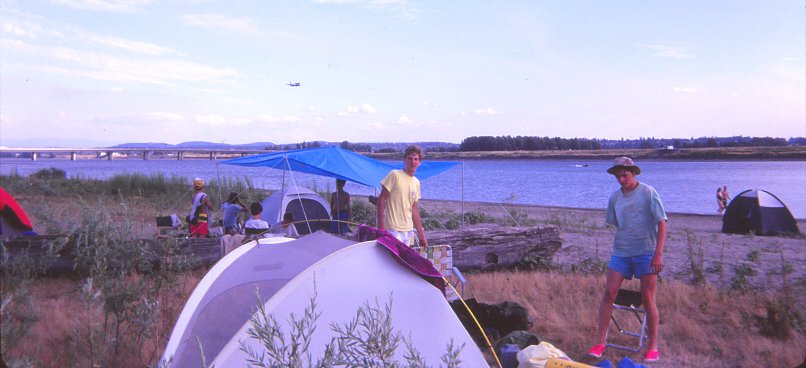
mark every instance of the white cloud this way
{"type": "Point", "coordinates": [277, 119]}
{"type": "Point", "coordinates": [122, 43]}
{"type": "Point", "coordinates": [157, 116]}
{"type": "Point", "coordinates": [217, 21]}
{"type": "Point", "coordinates": [123, 69]}
{"type": "Point", "coordinates": [45, 32]}
{"type": "Point", "coordinates": [404, 120]}
{"type": "Point", "coordinates": [210, 119]}
{"type": "Point", "coordinates": [399, 8]}
{"type": "Point", "coordinates": [487, 111]}
{"type": "Point", "coordinates": [363, 109]}
{"type": "Point", "coordinates": [670, 52]}
{"type": "Point", "coordinates": [117, 6]}
{"type": "Point", "coordinates": [684, 90]}
{"type": "Point", "coordinates": [20, 28]}
{"type": "Point", "coordinates": [363, 2]}
{"type": "Point", "coordinates": [163, 116]}
{"type": "Point", "coordinates": [367, 109]}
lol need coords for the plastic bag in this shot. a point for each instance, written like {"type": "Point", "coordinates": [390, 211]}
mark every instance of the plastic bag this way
{"type": "Point", "coordinates": [536, 356]}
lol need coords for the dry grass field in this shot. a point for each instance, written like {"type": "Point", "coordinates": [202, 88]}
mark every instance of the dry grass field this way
{"type": "Point", "coordinates": [726, 300]}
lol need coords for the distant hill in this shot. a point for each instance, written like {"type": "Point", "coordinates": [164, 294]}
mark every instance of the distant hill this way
{"type": "Point", "coordinates": [200, 145]}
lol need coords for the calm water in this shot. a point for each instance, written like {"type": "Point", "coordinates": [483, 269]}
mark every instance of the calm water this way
{"type": "Point", "coordinates": [688, 187]}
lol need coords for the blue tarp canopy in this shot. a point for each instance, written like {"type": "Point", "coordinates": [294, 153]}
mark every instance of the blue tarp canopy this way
{"type": "Point", "coordinates": [339, 163]}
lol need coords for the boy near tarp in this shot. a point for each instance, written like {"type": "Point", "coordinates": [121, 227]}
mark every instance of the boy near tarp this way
{"type": "Point", "coordinates": [636, 211]}
{"type": "Point", "coordinates": [398, 204]}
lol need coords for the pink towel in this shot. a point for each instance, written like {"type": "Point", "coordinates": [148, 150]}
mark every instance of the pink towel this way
{"type": "Point", "coordinates": [404, 254]}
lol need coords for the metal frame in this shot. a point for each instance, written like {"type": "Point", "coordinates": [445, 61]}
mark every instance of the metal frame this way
{"type": "Point", "coordinates": [640, 315]}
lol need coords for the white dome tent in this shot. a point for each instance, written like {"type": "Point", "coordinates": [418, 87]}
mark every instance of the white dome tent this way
{"type": "Point", "coordinates": [345, 276]}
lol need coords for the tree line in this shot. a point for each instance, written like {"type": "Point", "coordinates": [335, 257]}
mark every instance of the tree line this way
{"type": "Point", "coordinates": [532, 143]}
{"type": "Point", "coordinates": [523, 143]}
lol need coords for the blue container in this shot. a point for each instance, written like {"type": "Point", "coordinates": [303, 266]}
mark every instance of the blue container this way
{"type": "Point", "coordinates": [509, 356]}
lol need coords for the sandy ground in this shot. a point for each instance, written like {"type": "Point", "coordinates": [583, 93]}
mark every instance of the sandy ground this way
{"type": "Point", "coordinates": [694, 242]}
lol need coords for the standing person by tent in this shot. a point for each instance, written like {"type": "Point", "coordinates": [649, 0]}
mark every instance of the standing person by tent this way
{"type": "Point", "coordinates": [398, 204]}
{"type": "Point", "coordinates": [637, 213]}
{"type": "Point", "coordinates": [725, 197]}
{"type": "Point", "coordinates": [340, 208]}
{"type": "Point", "coordinates": [200, 212]}
{"type": "Point", "coordinates": [720, 201]}
{"type": "Point", "coordinates": [231, 208]}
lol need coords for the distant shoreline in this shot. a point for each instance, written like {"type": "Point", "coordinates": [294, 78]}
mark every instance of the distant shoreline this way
{"type": "Point", "coordinates": [775, 153]}
{"type": "Point", "coordinates": [783, 153]}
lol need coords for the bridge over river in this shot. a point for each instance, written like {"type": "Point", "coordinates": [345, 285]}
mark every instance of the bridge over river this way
{"type": "Point", "coordinates": [110, 153]}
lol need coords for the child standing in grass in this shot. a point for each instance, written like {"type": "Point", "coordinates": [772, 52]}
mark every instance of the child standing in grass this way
{"type": "Point", "coordinates": [200, 211]}
{"type": "Point", "coordinates": [637, 213]}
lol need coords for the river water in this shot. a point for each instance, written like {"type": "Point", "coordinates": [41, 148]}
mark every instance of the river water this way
{"type": "Point", "coordinates": [684, 186]}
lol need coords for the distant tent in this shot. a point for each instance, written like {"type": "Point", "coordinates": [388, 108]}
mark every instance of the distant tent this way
{"type": "Point", "coordinates": [345, 276]}
{"type": "Point", "coordinates": [758, 211]}
{"type": "Point", "coordinates": [13, 219]}
{"type": "Point", "coordinates": [303, 203]}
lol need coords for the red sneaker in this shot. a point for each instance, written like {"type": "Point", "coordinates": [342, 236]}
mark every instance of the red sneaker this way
{"type": "Point", "coordinates": [651, 356]}
{"type": "Point", "coordinates": [596, 351]}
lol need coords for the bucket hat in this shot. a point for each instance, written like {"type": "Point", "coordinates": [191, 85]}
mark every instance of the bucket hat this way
{"type": "Point", "coordinates": [624, 163]}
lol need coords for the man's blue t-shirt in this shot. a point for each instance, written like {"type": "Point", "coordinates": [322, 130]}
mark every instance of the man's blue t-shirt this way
{"type": "Point", "coordinates": [635, 215]}
{"type": "Point", "coordinates": [231, 211]}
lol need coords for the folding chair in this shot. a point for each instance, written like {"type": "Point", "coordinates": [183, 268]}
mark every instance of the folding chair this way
{"type": "Point", "coordinates": [442, 258]}
{"type": "Point", "coordinates": [629, 301]}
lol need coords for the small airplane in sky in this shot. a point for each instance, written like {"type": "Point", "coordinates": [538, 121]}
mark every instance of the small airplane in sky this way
{"type": "Point", "coordinates": [293, 84]}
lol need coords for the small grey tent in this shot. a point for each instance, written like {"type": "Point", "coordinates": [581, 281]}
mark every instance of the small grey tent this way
{"type": "Point", "coordinates": [760, 212]}
{"type": "Point", "coordinates": [303, 204]}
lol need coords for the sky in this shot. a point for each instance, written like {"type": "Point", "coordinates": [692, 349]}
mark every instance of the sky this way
{"type": "Point", "coordinates": [85, 73]}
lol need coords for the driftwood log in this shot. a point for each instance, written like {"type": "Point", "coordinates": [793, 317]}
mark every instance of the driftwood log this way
{"type": "Point", "coordinates": [55, 255]}
{"type": "Point", "coordinates": [490, 247]}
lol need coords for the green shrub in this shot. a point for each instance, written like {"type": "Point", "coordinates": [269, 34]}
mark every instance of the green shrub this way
{"type": "Point", "coordinates": [453, 223]}
{"type": "Point", "coordinates": [368, 340]}
{"type": "Point", "coordinates": [50, 174]}
{"type": "Point", "coordinates": [473, 218]}
{"type": "Point", "coordinates": [431, 224]}
{"type": "Point", "coordinates": [739, 283]}
{"type": "Point", "coordinates": [364, 212]}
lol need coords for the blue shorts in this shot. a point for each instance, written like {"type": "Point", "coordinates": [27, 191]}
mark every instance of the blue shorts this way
{"type": "Point", "coordinates": [631, 266]}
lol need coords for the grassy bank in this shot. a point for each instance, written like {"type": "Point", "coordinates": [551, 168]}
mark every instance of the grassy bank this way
{"type": "Point", "coordinates": [726, 300]}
